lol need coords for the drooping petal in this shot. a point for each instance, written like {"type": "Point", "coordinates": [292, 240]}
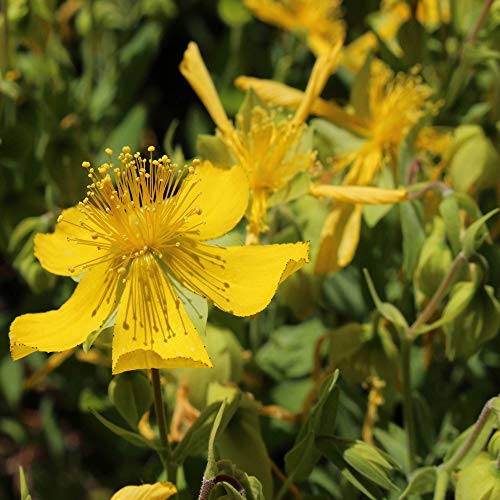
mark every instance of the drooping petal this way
{"type": "Point", "coordinates": [323, 67]}
{"type": "Point", "coordinates": [221, 195]}
{"type": "Point", "coordinates": [90, 305]}
{"type": "Point", "coordinates": [282, 95]}
{"type": "Point", "coordinates": [195, 72]}
{"type": "Point", "coordinates": [339, 238]}
{"type": "Point", "coordinates": [157, 491]}
{"type": "Point", "coordinates": [360, 194]}
{"type": "Point", "coordinates": [152, 328]}
{"type": "Point", "coordinates": [239, 280]}
{"type": "Point", "coordinates": [61, 256]}
{"type": "Point", "coordinates": [273, 13]}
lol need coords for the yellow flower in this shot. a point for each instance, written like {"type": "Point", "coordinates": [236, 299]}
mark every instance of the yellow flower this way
{"type": "Point", "coordinates": [321, 20]}
{"type": "Point", "coordinates": [382, 116]}
{"type": "Point", "coordinates": [157, 491]}
{"type": "Point", "coordinates": [266, 145]}
{"type": "Point", "coordinates": [134, 241]}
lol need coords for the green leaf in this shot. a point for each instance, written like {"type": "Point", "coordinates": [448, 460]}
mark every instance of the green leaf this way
{"type": "Point", "coordinates": [11, 380]}
{"type": "Point", "coordinates": [225, 491]}
{"type": "Point", "coordinates": [25, 494]}
{"type": "Point", "coordinates": [302, 458]}
{"type": "Point", "coordinates": [413, 237]}
{"type": "Point", "coordinates": [295, 188]}
{"type": "Point", "coordinates": [476, 234]}
{"type": "Point", "coordinates": [373, 214]}
{"type": "Point", "coordinates": [107, 327]}
{"type": "Point", "coordinates": [131, 437]}
{"type": "Point", "coordinates": [195, 441]}
{"type": "Point", "coordinates": [132, 395]}
{"type": "Point", "coordinates": [449, 209]}
{"type": "Point", "coordinates": [422, 481]}
{"type": "Point", "coordinates": [387, 310]}
{"type": "Point", "coordinates": [289, 351]}
{"type": "Point", "coordinates": [412, 38]}
{"type": "Point", "coordinates": [128, 133]}
{"type": "Point", "coordinates": [364, 466]}
{"type": "Point", "coordinates": [479, 443]}
{"type": "Point", "coordinates": [212, 148]}
{"type": "Point", "coordinates": [211, 468]}
{"type": "Point", "coordinates": [347, 340]}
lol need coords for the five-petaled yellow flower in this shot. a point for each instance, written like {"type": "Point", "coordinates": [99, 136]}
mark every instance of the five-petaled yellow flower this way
{"type": "Point", "coordinates": [382, 116]}
{"type": "Point", "coordinates": [134, 240]}
{"type": "Point", "coordinates": [266, 146]}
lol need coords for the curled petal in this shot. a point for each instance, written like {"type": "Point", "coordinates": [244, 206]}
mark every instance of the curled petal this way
{"type": "Point", "coordinates": [339, 238]}
{"type": "Point", "coordinates": [239, 280]}
{"type": "Point", "coordinates": [60, 255]}
{"type": "Point", "coordinates": [221, 196]}
{"type": "Point", "coordinates": [152, 328]}
{"type": "Point", "coordinates": [157, 491]}
{"type": "Point", "coordinates": [90, 305]}
{"type": "Point", "coordinates": [360, 194]}
{"type": "Point", "coordinates": [282, 95]}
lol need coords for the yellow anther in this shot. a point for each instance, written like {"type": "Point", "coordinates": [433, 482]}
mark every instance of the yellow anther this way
{"type": "Point", "coordinates": [60, 218]}
{"type": "Point", "coordinates": [191, 170]}
{"type": "Point", "coordinates": [151, 149]}
{"type": "Point", "coordinates": [126, 149]}
{"type": "Point", "coordinates": [85, 164]}
{"type": "Point", "coordinates": [108, 151]}
{"type": "Point", "coordinates": [121, 270]}
{"type": "Point", "coordinates": [71, 269]}
{"type": "Point", "coordinates": [198, 211]}
{"type": "Point", "coordinates": [94, 235]}
{"type": "Point", "coordinates": [196, 162]}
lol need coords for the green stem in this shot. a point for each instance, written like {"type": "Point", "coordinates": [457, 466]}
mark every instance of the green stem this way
{"type": "Point", "coordinates": [406, 344]}
{"type": "Point", "coordinates": [429, 310]}
{"type": "Point", "coordinates": [409, 419]}
{"type": "Point", "coordinates": [441, 485]}
{"type": "Point", "coordinates": [450, 465]}
{"type": "Point", "coordinates": [170, 465]}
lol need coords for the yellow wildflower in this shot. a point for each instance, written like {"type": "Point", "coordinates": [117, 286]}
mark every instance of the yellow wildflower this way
{"type": "Point", "coordinates": [382, 116]}
{"type": "Point", "coordinates": [267, 146]}
{"type": "Point", "coordinates": [134, 241]}
{"type": "Point", "coordinates": [157, 491]}
{"type": "Point", "coordinates": [321, 20]}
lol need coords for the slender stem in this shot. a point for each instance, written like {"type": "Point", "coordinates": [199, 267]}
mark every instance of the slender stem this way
{"type": "Point", "coordinates": [450, 465]}
{"type": "Point", "coordinates": [408, 415]}
{"type": "Point", "coordinates": [459, 261]}
{"type": "Point", "coordinates": [441, 485]}
{"type": "Point", "coordinates": [284, 487]}
{"type": "Point", "coordinates": [475, 30]}
{"type": "Point", "coordinates": [170, 466]}
{"type": "Point", "coordinates": [441, 186]}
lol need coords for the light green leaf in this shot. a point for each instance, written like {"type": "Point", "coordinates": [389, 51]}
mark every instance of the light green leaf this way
{"type": "Point", "coordinates": [295, 188]}
{"type": "Point", "coordinates": [25, 494]}
{"type": "Point", "coordinates": [387, 310]}
{"type": "Point", "coordinates": [413, 237]}
{"type": "Point", "coordinates": [422, 481]}
{"type": "Point", "coordinates": [477, 233]}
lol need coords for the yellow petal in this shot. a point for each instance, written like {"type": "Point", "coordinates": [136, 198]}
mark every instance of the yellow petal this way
{"type": "Point", "coordinates": [323, 67]}
{"type": "Point", "coordinates": [273, 13]}
{"type": "Point", "coordinates": [239, 280]}
{"type": "Point", "coordinates": [222, 196]}
{"type": "Point", "coordinates": [157, 491]}
{"type": "Point", "coordinates": [58, 255]}
{"type": "Point", "coordinates": [282, 95]}
{"type": "Point", "coordinates": [339, 238]}
{"type": "Point", "coordinates": [195, 72]}
{"type": "Point", "coordinates": [90, 305]}
{"type": "Point", "coordinates": [360, 194]}
{"type": "Point", "coordinates": [161, 335]}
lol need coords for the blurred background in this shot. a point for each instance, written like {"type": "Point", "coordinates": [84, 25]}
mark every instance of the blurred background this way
{"type": "Point", "coordinates": [78, 76]}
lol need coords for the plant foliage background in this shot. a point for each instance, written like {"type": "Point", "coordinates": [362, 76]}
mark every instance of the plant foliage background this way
{"type": "Point", "coordinates": [80, 76]}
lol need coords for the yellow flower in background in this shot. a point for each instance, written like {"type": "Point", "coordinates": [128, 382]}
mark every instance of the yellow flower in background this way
{"type": "Point", "coordinates": [139, 244]}
{"type": "Point", "coordinates": [321, 20]}
{"type": "Point", "coordinates": [381, 115]}
{"type": "Point", "coordinates": [157, 491]}
{"type": "Point", "coordinates": [265, 144]}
